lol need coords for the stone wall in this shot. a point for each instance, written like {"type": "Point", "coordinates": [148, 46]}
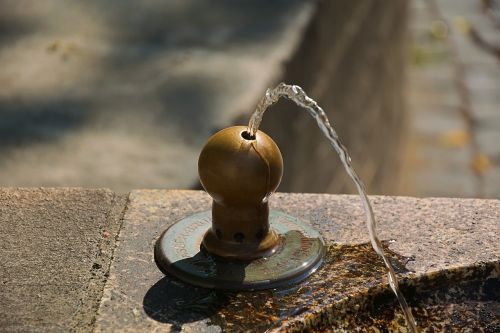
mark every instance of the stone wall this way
{"type": "Point", "coordinates": [352, 62]}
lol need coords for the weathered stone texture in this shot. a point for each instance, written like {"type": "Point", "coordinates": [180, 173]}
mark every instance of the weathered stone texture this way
{"type": "Point", "coordinates": [435, 234]}
{"type": "Point", "coordinates": [55, 250]}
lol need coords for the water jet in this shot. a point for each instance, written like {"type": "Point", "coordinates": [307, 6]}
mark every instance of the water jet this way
{"type": "Point", "coordinates": [246, 247]}
{"type": "Point", "coordinates": [240, 244]}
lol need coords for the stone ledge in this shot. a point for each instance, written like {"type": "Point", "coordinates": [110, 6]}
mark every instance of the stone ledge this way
{"type": "Point", "coordinates": [436, 234]}
{"type": "Point", "coordinates": [57, 253]}
{"type": "Point", "coordinates": [57, 246]}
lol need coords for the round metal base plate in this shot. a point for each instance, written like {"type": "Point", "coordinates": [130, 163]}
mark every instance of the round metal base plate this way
{"type": "Point", "coordinates": [178, 252]}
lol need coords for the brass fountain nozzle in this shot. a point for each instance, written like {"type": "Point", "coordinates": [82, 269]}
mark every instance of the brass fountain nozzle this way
{"type": "Point", "coordinates": [240, 173]}
{"type": "Point", "coordinates": [222, 248]}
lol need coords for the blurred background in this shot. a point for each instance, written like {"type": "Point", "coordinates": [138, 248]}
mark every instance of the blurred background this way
{"type": "Point", "coordinates": [123, 94]}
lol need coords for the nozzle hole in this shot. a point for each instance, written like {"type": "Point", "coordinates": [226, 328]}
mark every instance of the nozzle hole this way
{"type": "Point", "coordinates": [245, 135]}
{"type": "Point", "coordinates": [239, 237]}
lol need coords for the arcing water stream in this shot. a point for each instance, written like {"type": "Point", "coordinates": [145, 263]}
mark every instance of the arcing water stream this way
{"type": "Point", "coordinates": [297, 95]}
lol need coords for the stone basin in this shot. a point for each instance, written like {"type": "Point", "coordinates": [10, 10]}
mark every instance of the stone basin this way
{"type": "Point", "coordinates": [465, 299]}
{"type": "Point", "coordinates": [456, 300]}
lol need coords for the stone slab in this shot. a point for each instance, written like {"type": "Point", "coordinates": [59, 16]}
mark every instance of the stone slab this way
{"type": "Point", "coordinates": [55, 250]}
{"type": "Point", "coordinates": [434, 234]}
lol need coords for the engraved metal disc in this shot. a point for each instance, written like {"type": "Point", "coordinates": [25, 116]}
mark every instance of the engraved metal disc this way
{"type": "Point", "coordinates": [178, 252]}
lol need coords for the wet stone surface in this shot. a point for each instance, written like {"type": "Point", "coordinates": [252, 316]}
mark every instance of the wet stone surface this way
{"type": "Point", "coordinates": [460, 300]}
{"type": "Point", "coordinates": [426, 235]}
{"type": "Point", "coordinates": [346, 271]}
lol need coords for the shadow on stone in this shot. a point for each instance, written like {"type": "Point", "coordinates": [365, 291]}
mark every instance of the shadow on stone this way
{"type": "Point", "coordinates": [176, 303]}
{"type": "Point", "coordinates": [171, 301]}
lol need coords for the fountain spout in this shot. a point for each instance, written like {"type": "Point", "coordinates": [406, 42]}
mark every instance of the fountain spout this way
{"type": "Point", "coordinates": [240, 243]}
{"type": "Point", "coordinates": [240, 174]}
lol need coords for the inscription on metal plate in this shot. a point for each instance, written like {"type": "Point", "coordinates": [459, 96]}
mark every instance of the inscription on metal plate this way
{"type": "Point", "coordinates": [179, 253]}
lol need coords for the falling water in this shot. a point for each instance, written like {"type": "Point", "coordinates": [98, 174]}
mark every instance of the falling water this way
{"type": "Point", "coordinates": [297, 95]}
